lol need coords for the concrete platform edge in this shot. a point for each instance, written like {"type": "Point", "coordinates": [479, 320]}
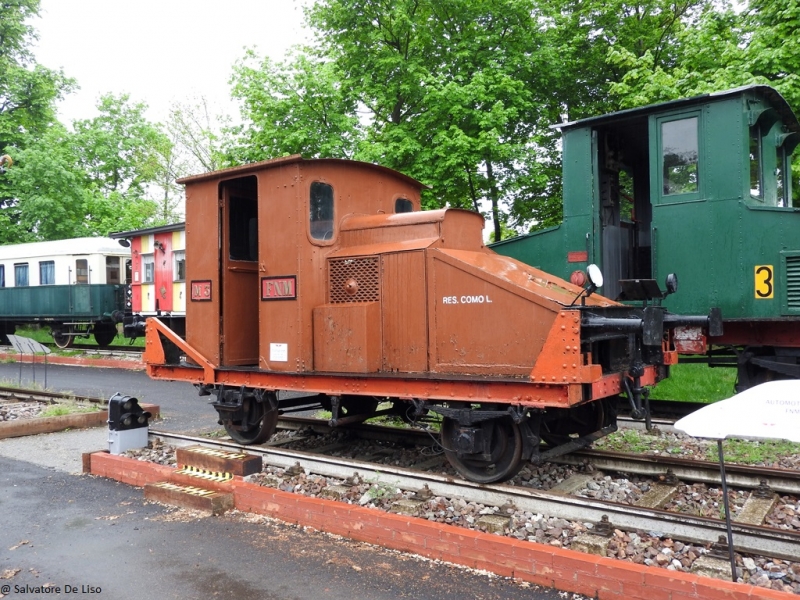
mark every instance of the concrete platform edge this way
{"type": "Point", "coordinates": [77, 361]}
{"type": "Point", "coordinates": [565, 570]}
{"type": "Point", "coordinates": [37, 425]}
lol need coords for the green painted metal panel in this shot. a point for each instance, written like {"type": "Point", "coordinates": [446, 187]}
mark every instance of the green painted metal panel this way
{"type": "Point", "coordinates": [715, 238]}
{"type": "Point", "coordinates": [60, 302]}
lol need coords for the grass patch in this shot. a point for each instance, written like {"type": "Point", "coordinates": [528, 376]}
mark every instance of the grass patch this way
{"type": "Point", "coordinates": [692, 382]}
{"type": "Point", "coordinates": [753, 452]}
{"type": "Point", "coordinates": [29, 385]}
{"type": "Point", "coordinates": [69, 408]}
{"type": "Point", "coordinates": [217, 433]}
{"type": "Point", "coordinates": [639, 442]}
{"type": "Point", "coordinates": [41, 333]}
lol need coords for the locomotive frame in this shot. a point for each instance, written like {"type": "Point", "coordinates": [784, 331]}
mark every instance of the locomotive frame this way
{"type": "Point", "coordinates": [701, 187]}
{"type": "Point", "coordinates": [324, 277]}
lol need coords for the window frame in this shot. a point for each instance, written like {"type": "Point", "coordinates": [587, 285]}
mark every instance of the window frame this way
{"type": "Point", "coordinates": [324, 241]}
{"type": "Point", "coordinates": [52, 265]}
{"type": "Point", "coordinates": [696, 195]}
{"type": "Point", "coordinates": [178, 258]}
{"type": "Point", "coordinates": [18, 269]}
{"type": "Point", "coordinates": [148, 260]}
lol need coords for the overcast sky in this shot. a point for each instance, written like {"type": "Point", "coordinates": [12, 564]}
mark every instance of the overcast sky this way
{"type": "Point", "coordinates": [159, 51]}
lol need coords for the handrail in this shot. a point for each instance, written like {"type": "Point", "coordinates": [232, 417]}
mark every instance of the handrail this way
{"type": "Point", "coordinates": [154, 350]}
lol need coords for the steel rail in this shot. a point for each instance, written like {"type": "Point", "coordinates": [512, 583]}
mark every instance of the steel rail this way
{"type": "Point", "coordinates": [45, 396]}
{"type": "Point", "coordinates": [780, 480]}
{"type": "Point", "coordinates": [748, 539]}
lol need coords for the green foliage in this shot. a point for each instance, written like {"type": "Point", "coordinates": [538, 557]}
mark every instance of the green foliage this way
{"type": "Point", "coordinates": [293, 107]}
{"type": "Point", "coordinates": [762, 452]}
{"type": "Point", "coordinates": [90, 182]}
{"type": "Point", "coordinates": [691, 382]}
{"type": "Point", "coordinates": [27, 90]}
{"type": "Point", "coordinates": [452, 91]}
{"type": "Point", "coordinates": [638, 442]}
{"type": "Point", "coordinates": [68, 408]}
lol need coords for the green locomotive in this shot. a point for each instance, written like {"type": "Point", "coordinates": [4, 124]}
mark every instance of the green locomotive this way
{"type": "Point", "coordinates": [700, 187]}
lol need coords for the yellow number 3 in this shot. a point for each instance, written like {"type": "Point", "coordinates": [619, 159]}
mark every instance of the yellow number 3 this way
{"type": "Point", "coordinates": [764, 283]}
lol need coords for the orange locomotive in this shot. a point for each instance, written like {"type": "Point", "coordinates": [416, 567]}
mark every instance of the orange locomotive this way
{"type": "Point", "coordinates": [325, 277]}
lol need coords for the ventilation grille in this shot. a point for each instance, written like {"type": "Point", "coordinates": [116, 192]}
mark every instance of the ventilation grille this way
{"type": "Point", "coordinates": [353, 280]}
{"type": "Point", "coordinates": [793, 282]}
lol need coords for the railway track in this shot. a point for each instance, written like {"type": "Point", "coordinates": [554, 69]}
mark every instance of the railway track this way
{"type": "Point", "coordinates": [558, 502]}
{"type": "Point", "coordinates": [29, 395]}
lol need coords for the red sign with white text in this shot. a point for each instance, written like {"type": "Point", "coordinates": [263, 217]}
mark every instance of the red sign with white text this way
{"type": "Point", "coordinates": [201, 291]}
{"type": "Point", "coordinates": [279, 288]}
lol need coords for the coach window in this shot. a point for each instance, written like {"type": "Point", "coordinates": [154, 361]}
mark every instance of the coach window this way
{"type": "Point", "coordinates": [2, 276]}
{"type": "Point", "coordinates": [179, 268]}
{"type": "Point", "coordinates": [47, 272]}
{"type": "Point", "coordinates": [82, 271]}
{"type": "Point", "coordinates": [21, 275]}
{"type": "Point", "coordinates": [680, 150]}
{"type": "Point", "coordinates": [321, 211]}
{"type": "Point", "coordinates": [148, 268]}
{"type": "Point", "coordinates": [403, 205]}
{"type": "Point", "coordinates": [112, 269]}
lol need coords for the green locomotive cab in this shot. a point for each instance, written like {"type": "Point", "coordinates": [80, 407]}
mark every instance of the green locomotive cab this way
{"type": "Point", "coordinates": [700, 187]}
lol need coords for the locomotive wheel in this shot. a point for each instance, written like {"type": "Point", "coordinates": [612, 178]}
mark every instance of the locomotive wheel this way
{"type": "Point", "coordinates": [61, 338]}
{"type": "Point", "coordinates": [504, 459]}
{"type": "Point", "coordinates": [582, 421]}
{"type": "Point", "coordinates": [260, 424]}
{"type": "Point", "coordinates": [104, 333]}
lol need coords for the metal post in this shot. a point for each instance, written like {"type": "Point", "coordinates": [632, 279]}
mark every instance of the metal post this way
{"type": "Point", "coordinates": [727, 511]}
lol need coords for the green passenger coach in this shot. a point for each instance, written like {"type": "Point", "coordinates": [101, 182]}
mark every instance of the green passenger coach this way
{"type": "Point", "coordinates": [76, 287]}
{"type": "Point", "coordinates": [699, 187]}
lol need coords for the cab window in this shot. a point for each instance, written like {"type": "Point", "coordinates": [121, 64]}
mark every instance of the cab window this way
{"type": "Point", "coordinates": [321, 211]}
{"type": "Point", "coordinates": [403, 205]}
{"type": "Point", "coordinates": [770, 164]}
{"type": "Point", "coordinates": [243, 229]}
{"type": "Point", "coordinates": [680, 150]}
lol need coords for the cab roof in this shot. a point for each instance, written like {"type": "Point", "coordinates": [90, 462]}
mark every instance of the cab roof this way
{"type": "Point", "coordinates": [769, 93]}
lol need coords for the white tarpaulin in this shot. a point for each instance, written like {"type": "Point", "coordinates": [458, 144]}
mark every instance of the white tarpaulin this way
{"type": "Point", "coordinates": [767, 411]}
{"type": "Point", "coordinates": [25, 345]}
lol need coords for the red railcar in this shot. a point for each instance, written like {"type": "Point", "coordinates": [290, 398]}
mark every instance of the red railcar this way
{"type": "Point", "coordinates": [325, 277]}
{"type": "Point", "coordinates": [156, 275]}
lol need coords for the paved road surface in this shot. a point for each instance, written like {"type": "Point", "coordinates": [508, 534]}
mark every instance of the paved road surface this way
{"type": "Point", "coordinates": [86, 531]}
{"type": "Point", "coordinates": [62, 528]}
{"type": "Point", "coordinates": [182, 409]}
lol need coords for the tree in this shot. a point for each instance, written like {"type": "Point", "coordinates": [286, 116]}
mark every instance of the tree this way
{"type": "Point", "coordinates": [294, 107]}
{"type": "Point", "coordinates": [50, 193]}
{"type": "Point", "coordinates": [450, 87]}
{"type": "Point", "coordinates": [92, 181]}
{"type": "Point", "coordinates": [28, 91]}
{"type": "Point", "coordinates": [197, 135]}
